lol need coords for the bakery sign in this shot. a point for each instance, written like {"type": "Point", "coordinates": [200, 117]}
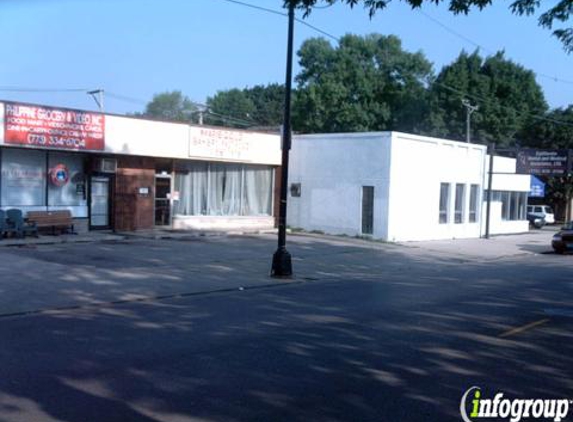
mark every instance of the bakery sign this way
{"type": "Point", "coordinates": [205, 142]}
{"type": "Point", "coordinates": [48, 127]}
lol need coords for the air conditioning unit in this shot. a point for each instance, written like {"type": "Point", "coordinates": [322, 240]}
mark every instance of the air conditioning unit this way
{"type": "Point", "coordinates": [106, 165]}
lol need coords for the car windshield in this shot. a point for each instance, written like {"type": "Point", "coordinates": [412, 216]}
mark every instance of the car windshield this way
{"type": "Point", "coordinates": [548, 210]}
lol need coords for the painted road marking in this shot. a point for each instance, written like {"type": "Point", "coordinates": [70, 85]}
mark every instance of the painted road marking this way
{"type": "Point", "coordinates": [523, 328]}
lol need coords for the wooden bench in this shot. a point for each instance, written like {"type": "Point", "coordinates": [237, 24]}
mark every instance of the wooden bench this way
{"type": "Point", "coordinates": [61, 220]}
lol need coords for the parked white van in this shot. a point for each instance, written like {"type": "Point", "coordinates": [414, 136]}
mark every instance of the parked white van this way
{"type": "Point", "coordinates": [542, 211]}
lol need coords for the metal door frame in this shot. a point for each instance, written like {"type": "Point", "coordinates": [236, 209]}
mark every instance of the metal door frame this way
{"type": "Point", "coordinates": [111, 179]}
{"type": "Point", "coordinates": [169, 199]}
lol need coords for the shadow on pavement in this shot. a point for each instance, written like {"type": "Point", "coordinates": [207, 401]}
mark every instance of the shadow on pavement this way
{"type": "Point", "coordinates": [380, 336]}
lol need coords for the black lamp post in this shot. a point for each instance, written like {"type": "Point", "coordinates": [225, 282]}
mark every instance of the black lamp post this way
{"type": "Point", "coordinates": [282, 265]}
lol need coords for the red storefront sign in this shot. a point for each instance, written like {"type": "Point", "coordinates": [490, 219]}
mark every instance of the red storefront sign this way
{"type": "Point", "coordinates": [49, 127]}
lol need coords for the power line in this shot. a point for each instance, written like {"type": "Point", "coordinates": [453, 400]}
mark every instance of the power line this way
{"type": "Point", "coordinates": [252, 6]}
{"type": "Point", "coordinates": [206, 109]}
{"type": "Point", "coordinates": [478, 98]}
{"type": "Point", "coordinates": [21, 89]}
{"type": "Point", "coordinates": [488, 50]}
{"type": "Point", "coordinates": [279, 13]}
{"type": "Point", "coordinates": [482, 100]}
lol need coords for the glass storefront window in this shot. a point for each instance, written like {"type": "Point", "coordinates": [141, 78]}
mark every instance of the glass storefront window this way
{"type": "Point", "coordinates": [32, 180]}
{"type": "Point", "coordinates": [223, 189]}
{"type": "Point", "coordinates": [513, 204]}
{"type": "Point", "coordinates": [73, 191]}
{"type": "Point", "coordinates": [23, 178]}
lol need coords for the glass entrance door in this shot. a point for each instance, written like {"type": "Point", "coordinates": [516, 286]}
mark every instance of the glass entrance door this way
{"type": "Point", "coordinates": [162, 200]}
{"type": "Point", "coordinates": [99, 203]}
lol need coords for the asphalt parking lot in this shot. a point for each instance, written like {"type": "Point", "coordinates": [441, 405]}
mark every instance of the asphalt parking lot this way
{"type": "Point", "coordinates": [46, 276]}
{"type": "Point", "coordinates": [193, 329]}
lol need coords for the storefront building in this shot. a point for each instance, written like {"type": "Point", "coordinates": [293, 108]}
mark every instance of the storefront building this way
{"type": "Point", "coordinates": [122, 173]}
{"type": "Point", "coordinates": [401, 187]}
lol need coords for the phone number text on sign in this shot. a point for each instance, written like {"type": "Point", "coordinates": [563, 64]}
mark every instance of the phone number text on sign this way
{"type": "Point", "coordinates": [55, 128]}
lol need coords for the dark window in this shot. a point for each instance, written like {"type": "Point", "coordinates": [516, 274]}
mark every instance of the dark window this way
{"type": "Point", "coordinates": [474, 191]}
{"type": "Point", "coordinates": [444, 202]}
{"type": "Point", "coordinates": [368, 209]}
{"type": "Point", "coordinates": [460, 198]}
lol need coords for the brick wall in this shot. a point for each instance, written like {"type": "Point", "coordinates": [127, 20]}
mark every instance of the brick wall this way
{"type": "Point", "coordinates": [133, 211]}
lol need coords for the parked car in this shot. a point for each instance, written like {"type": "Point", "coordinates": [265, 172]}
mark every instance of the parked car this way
{"type": "Point", "coordinates": [563, 240]}
{"type": "Point", "coordinates": [542, 211]}
{"type": "Point", "coordinates": [535, 221]}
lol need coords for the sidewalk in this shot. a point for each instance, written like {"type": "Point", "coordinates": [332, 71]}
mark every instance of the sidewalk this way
{"type": "Point", "coordinates": [496, 247]}
{"type": "Point", "coordinates": [92, 236]}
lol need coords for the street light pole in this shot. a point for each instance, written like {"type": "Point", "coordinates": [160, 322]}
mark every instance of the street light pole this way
{"type": "Point", "coordinates": [469, 110]}
{"type": "Point", "coordinates": [282, 265]}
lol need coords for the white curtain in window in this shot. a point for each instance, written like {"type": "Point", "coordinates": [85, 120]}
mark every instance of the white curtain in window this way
{"type": "Point", "coordinates": [223, 189]}
{"type": "Point", "coordinates": [232, 190]}
{"type": "Point", "coordinates": [216, 183]}
{"type": "Point", "coordinates": [257, 193]}
{"type": "Point", "coordinates": [192, 187]}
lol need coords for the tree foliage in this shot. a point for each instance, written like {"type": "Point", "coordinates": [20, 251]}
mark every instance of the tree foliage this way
{"type": "Point", "coordinates": [555, 130]}
{"type": "Point", "coordinates": [558, 13]}
{"type": "Point", "coordinates": [363, 84]}
{"type": "Point", "coordinates": [231, 108]}
{"type": "Point", "coordinates": [260, 105]}
{"type": "Point", "coordinates": [506, 93]}
{"type": "Point", "coordinates": [172, 106]}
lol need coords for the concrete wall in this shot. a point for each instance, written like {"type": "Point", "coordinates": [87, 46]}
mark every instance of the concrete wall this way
{"type": "Point", "coordinates": [419, 165]}
{"type": "Point", "coordinates": [332, 169]}
{"type": "Point", "coordinates": [216, 223]}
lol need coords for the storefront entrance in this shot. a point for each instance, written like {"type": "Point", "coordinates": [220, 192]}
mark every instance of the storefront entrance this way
{"type": "Point", "coordinates": [99, 202]}
{"type": "Point", "coordinates": [162, 200]}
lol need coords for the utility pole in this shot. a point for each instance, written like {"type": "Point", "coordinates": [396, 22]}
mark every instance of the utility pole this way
{"type": "Point", "coordinates": [282, 265]}
{"type": "Point", "coordinates": [491, 151]}
{"type": "Point", "coordinates": [469, 110]}
{"type": "Point", "coordinates": [98, 99]}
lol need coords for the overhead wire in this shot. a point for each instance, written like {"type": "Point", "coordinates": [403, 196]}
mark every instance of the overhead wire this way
{"type": "Point", "coordinates": [477, 98]}
{"type": "Point", "coordinates": [481, 47]}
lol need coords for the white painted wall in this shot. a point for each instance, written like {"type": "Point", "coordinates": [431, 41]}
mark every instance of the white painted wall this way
{"type": "Point", "coordinates": [406, 172]}
{"type": "Point", "coordinates": [419, 165]}
{"type": "Point", "coordinates": [124, 135]}
{"type": "Point", "coordinates": [332, 169]}
{"type": "Point", "coordinates": [130, 136]}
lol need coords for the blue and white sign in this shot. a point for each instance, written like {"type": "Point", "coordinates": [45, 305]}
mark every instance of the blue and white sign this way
{"type": "Point", "coordinates": [536, 188]}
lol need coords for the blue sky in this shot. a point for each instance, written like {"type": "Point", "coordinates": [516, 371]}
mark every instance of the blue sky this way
{"type": "Point", "coordinates": [135, 48]}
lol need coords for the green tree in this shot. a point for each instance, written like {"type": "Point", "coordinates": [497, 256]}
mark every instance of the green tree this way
{"type": "Point", "coordinates": [257, 106]}
{"type": "Point", "coordinates": [555, 130]}
{"type": "Point", "coordinates": [363, 84]}
{"type": "Point", "coordinates": [269, 103]}
{"type": "Point", "coordinates": [231, 108]}
{"type": "Point", "coordinates": [507, 95]}
{"type": "Point", "coordinates": [558, 12]}
{"type": "Point", "coordinates": [172, 106]}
